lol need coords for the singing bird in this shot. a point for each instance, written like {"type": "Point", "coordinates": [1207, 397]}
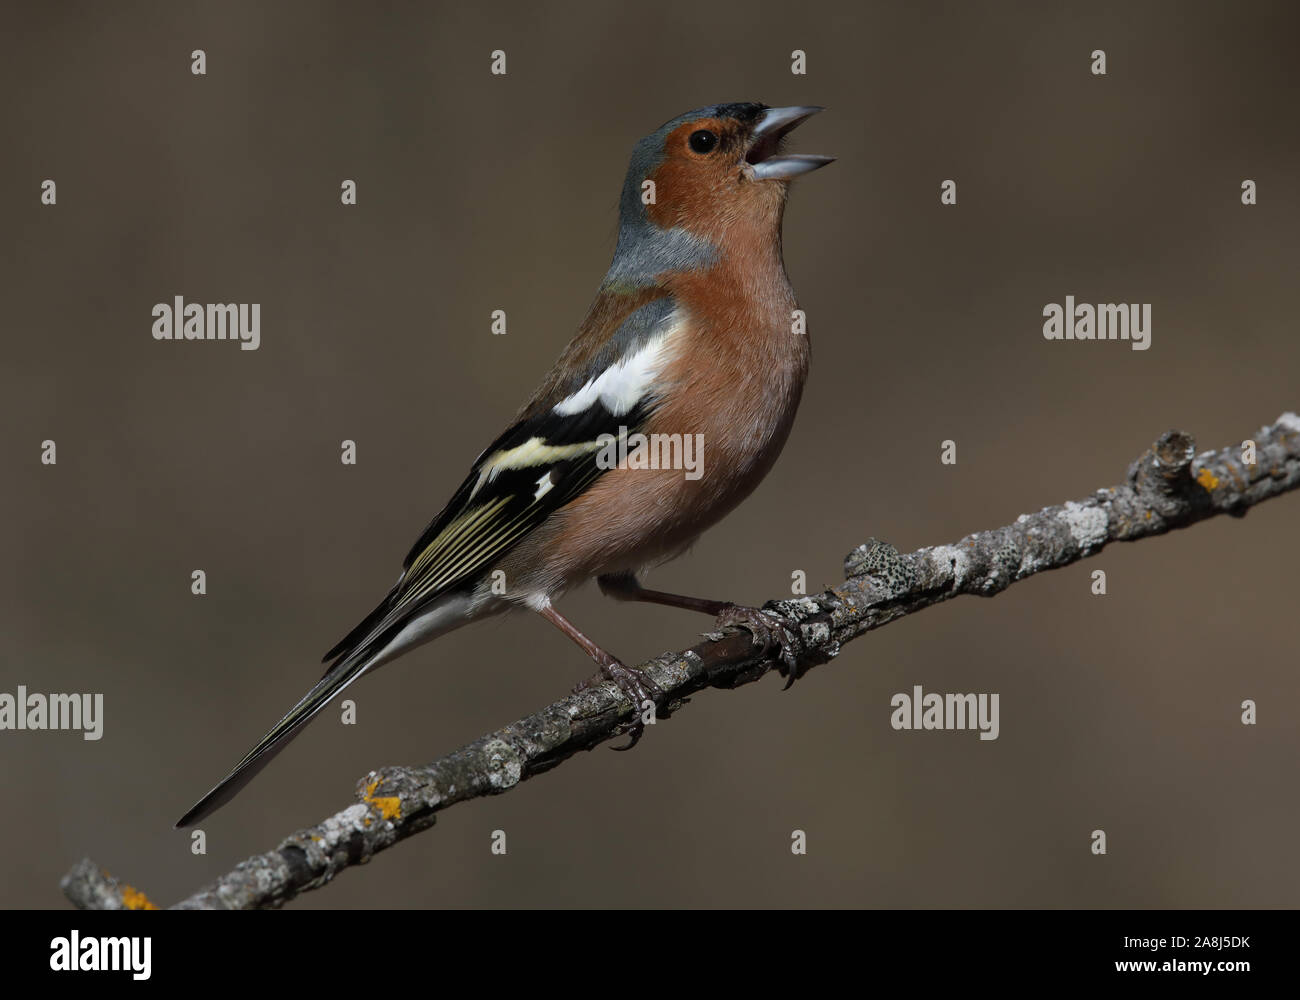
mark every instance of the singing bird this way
{"type": "Point", "coordinates": [692, 332]}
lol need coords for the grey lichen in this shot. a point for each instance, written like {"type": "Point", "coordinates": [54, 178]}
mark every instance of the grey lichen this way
{"type": "Point", "coordinates": [1168, 487]}
{"type": "Point", "coordinates": [892, 572]}
{"type": "Point", "coordinates": [501, 765]}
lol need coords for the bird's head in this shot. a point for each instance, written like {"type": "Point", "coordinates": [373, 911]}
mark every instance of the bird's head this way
{"type": "Point", "coordinates": [703, 179]}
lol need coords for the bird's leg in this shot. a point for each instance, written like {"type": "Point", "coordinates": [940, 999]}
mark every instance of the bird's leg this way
{"type": "Point", "coordinates": [626, 587]}
{"type": "Point", "coordinates": [636, 684]}
{"type": "Point", "coordinates": [767, 629]}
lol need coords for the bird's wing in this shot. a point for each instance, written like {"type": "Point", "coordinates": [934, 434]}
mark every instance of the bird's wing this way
{"type": "Point", "coordinates": [553, 453]}
{"type": "Point", "coordinates": [603, 385]}
{"type": "Point", "coordinates": [536, 467]}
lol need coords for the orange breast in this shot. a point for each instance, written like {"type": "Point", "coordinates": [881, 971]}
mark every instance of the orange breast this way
{"type": "Point", "coordinates": [735, 382]}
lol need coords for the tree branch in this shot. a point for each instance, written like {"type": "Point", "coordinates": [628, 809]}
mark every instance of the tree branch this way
{"type": "Point", "coordinates": [1168, 487]}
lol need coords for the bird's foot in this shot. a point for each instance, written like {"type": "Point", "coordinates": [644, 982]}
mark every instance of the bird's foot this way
{"type": "Point", "coordinates": [768, 630]}
{"type": "Point", "coordinates": [636, 685]}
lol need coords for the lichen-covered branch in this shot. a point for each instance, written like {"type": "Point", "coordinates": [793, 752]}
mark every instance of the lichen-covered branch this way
{"type": "Point", "coordinates": [1168, 487]}
{"type": "Point", "coordinates": [92, 888]}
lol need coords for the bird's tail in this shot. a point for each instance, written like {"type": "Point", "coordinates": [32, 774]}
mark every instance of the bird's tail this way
{"type": "Point", "coordinates": [335, 680]}
{"type": "Point", "coordinates": [381, 637]}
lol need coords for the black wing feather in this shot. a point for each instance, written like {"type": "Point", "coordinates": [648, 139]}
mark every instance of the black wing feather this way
{"type": "Point", "coordinates": [515, 511]}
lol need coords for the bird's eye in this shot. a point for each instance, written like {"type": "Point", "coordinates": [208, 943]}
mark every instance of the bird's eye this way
{"type": "Point", "coordinates": [703, 141]}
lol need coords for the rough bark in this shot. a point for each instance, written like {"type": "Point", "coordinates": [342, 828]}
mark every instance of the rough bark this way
{"type": "Point", "coordinates": [1167, 487]}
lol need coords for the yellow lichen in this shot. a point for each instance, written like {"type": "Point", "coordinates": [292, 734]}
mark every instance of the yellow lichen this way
{"type": "Point", "coordinates": [134, 899]}
{"type": "Point", "coordinates": [1207, 479]}
{"type": "Point", "coordinates": [389, 806]}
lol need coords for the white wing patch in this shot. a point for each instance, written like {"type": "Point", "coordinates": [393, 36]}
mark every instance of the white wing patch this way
{"type": "Point", "coordinates": [544, 486]}
{"type": "Point", "coordinates": [624, 383]}
{"type": "Point", "coordinates": [532, 452]}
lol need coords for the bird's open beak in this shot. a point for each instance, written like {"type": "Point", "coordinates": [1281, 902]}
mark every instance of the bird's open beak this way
{"type": "Point", "coordinates": [765, 142]}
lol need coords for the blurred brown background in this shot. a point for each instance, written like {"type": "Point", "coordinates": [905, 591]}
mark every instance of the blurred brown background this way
{"type": "Point", "coordinates": [479, 192]}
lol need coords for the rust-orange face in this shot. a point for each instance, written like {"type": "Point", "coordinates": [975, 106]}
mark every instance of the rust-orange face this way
{"type": "Point", "coordinates": [705, 173]}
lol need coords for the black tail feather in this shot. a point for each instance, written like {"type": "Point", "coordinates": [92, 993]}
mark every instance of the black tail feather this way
{"type": "Point", "coordinates": [335, 680]}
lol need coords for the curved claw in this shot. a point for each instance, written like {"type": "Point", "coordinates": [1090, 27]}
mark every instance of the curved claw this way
{"type": "Point", "coordinates": [768, 630]}
{"type": "Point", "coordinates": [636, 685]}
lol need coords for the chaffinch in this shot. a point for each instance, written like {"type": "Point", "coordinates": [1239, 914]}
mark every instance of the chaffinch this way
{"type": "Point", "coordinates": [691, 341]}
